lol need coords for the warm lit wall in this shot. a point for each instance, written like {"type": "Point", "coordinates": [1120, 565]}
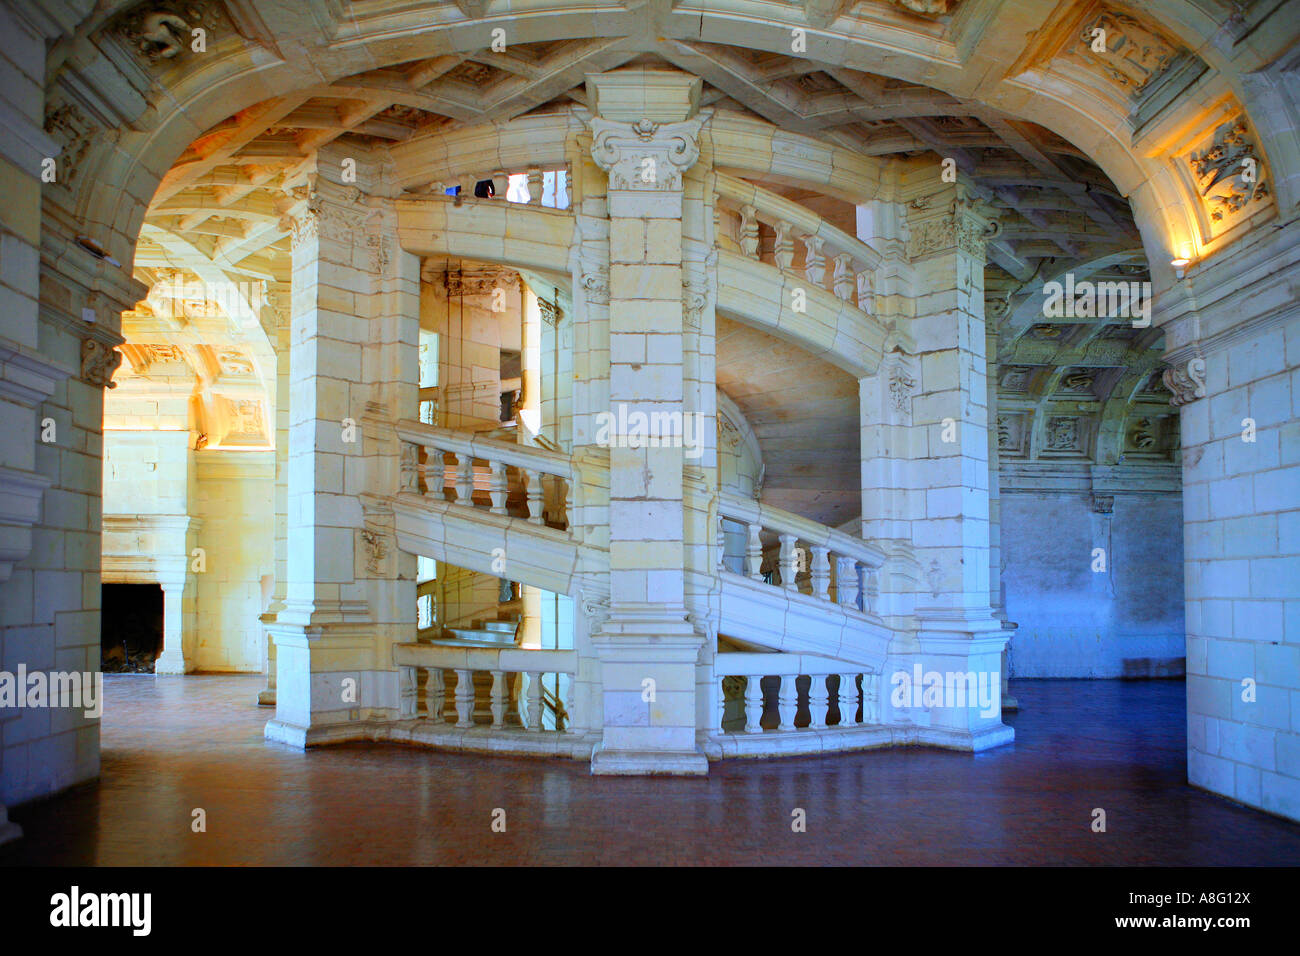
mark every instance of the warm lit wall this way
{"type": "Point", "coordinates": [235, 499]}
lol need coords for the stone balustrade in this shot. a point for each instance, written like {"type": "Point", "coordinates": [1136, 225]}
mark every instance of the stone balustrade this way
{"type": "Point", "coordinates": [536, 185]}
{"type": "Point", "coordinates": [826, 550]}
{"type": "Point", "coordinates": [776, 704]}
{"type": "Point", "coordinates": [852, 262]}
{"type": "Point", "coordinates": [513, 700]}
{"type": "Point", "coordinates": [424, 446]}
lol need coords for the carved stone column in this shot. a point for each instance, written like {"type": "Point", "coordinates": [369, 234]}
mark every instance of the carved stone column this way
{"type": "Point", "coordinates": [644, 138]}
{"type": "Point", "coordinates": [947, 441]}
{"type": "Point", "coordinates": [354, 370]}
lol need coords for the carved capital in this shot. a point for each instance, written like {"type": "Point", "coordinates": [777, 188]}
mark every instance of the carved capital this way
{"type": "Point", "coordinates": [645, 156]}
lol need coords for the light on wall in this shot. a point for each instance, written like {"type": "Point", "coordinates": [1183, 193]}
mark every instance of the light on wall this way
{"type": "Point", "coordinates": [1180, 266]}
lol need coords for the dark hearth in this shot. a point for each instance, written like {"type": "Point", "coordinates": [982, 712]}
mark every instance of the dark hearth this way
{"type": "Point", "coordinates": [131, 627]}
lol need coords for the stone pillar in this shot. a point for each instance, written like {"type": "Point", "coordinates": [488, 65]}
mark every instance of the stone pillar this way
{"type": "Point", "coordinates": [644, 137]}
{"type": "Point", "coordinates": [996, 599]}
{"type": "Point", "coordinates": [354, 371]}
{"type": "Point", "coordinates": [943, 496]}
{"type": "Point", "coordinates": [173, 659]}
{"type": "Point", "coordinates": [281, 297]}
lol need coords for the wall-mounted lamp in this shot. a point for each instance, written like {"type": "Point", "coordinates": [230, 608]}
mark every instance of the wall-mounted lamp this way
{"type": "Point", "coordinates": [1180, 266]}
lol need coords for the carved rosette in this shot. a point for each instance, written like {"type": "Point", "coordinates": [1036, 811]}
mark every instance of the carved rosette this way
{"type": "Point", "coordinates": [645, 156]}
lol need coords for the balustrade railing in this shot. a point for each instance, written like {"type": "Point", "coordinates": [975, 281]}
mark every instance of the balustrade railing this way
{"type": "Point", "coordinates": [509, 694]}
{"type": "Point", "coordinates": [829, 550]}
{"type": "Point", "coordinates": [441, 460]}
{"type": "Point", "coordinates": [760, 693]}
{"type": "Point", "coordinates": [851, 261]}
{"type": "Point", "coordinates": [537, 185]}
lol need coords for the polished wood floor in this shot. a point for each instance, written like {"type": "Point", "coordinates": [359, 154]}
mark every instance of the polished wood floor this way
{"type": "Point", "coordinates": [173, 744]}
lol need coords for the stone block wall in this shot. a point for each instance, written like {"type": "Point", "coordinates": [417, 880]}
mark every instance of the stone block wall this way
{"type": "Point", "coordinates": [1241, 506]}
{"type": "Point", "coordinates": [1124, 619]}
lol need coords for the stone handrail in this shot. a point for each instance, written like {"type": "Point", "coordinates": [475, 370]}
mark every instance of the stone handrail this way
{"type": "Point", "coordinates": [823, 541]}
{"type": "Point", "coordinates": [438, 658]}
{"type": "Point", "coordinates": [533, 465]}
{"type": "Point", "coordinates": [853, 261]}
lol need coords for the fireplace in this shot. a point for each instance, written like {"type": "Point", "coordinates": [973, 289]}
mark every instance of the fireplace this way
{"type": "Point", "coordinates": [131, 627]}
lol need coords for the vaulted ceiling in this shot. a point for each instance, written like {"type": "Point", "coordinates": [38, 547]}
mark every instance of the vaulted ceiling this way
{"type": "Point", "coordinates": [221, 208]}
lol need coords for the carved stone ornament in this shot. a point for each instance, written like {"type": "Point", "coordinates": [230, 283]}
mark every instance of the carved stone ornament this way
{"type": "Point", "coordinates": [901, 386]}
{"type": "Point", "coordinates": [551, 312]}
{"type": "Point", "coordinates": [1016, 378]}
{"type": "Point", "coordinates": [70, 127]}
{"type": "Point", "coordinates": [967, 227]}
{"type": "Point", "coordinates": [161, 32]}
{"type": "Point", "coordinates": [99, 362]}
{"type": "Point", "coordinates": [1005, 441]}
{"type": "Point", "coordinates": [482, 282]}
{"type": "Point", "coordinates": [1185, 381]}
{"type": "Point", "coordinates": [935, 576]}
{"type": "Point", "coordinates": [595, 606]}
{"type": "Point", "coordinates": [1063, 434]}
{"type": "Point", "coordinates": [376, 548]}
{"type": "Point", "coordinates": [933, 8]}
{"type": "Point", "coordinates": [1077, 381]}
{"type": "Point", "coordinates": [1134, 54]}
{"type": "Point", "coordinates": [595, 284]}
{"type": "Point", "coordinates": [645, 156]}
{"type": "Point", "coordinates": [1143, 435]}
{"type": "Point", "coordinates": [1103, 504]}
{"type": "Point", "coordinates": [1229, 172]}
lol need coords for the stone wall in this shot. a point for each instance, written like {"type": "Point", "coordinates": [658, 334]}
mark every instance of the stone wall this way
{"type": "Point", "coordinates": [235, 494]}
{"type": "Point", "coordinates": [1124, 619]}
{"type": "Point", "coordinates": [1241, 504]}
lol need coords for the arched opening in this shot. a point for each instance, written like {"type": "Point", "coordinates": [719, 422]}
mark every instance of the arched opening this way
{"type": "Point", "coordinates": [303, 154]}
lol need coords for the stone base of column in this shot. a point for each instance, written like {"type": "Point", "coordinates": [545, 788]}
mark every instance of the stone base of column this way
{"type": "Point", "coordinates": [1009, 703]}
{"type": "Point", "coordinates": [944, 688]}
{"type": "Point", "coordinates": [266, 696]}
{"type": "Point", "coordinates": [171, 662]}
{"type": "Point", "coordinates": [648, 678]}
{"type": "Point", "coordinates": [327, 689]}
{"type": "Point", "coordinates": [8, 830]}
{"type": "Point", "coordinates": [971, 741]}
{"type": "Point", "coordinates": [648, 763]}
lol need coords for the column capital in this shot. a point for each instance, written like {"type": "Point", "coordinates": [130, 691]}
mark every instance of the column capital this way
{"type": "Point", "coordinates": [645, 156]}
{"type": "Point", "coordinates": [965, 222]}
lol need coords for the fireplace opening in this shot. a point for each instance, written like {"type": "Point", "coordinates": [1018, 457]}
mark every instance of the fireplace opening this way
{"type": "Point", "coordinates": [131, 627]}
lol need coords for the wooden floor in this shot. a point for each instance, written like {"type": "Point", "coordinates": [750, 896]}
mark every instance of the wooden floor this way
{"type": "Point", "coordinates": [173, 744]}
